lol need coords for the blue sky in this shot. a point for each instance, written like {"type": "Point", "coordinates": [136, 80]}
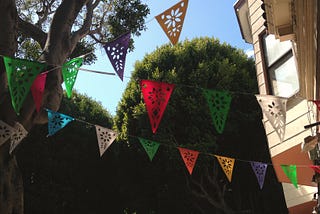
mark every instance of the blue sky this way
{"type": "Point", "coordinates": [212, 18]}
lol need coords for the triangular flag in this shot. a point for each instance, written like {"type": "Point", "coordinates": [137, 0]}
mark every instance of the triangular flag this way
{"type": "Point", "coordinates": [105, 138]}
{"type": "Point", "coordinates": [151, 147]}
{"type": "Point", "coordinates": [21, 74]}
{"type": "Point", "coordinates": [69, 72]}
{"type": "Point", "coordinates": [227, 165]}
{"type": "Point", "coordinates": [5, 132]}
{"type": "Point", "coordinates": [219, 105]}
{"type": "Point", "coordinates": [17, 136]}
{"type": "Point", "coordinates": [57, 121]}
{"type": "Point", "coordinates": [317, 102]}
{"type": "Point", "coordinates": [291, 173]}
{"type": "Point", "coordinates": [189, 157]}
{"type": "Point", "coordinates": [316, 168]}
{"type": "Point", "coordinates": [260, 170]}
{"type": "Point", "coordinates": [117, 52]}
{"type": "Point", "coordinates": [37, 89]}
{"type": "Point", "coordinates": [274, 108]}
{"type": "Point", "coordinates": [171, 20]}
{"type": "Point", "coordinates": [156, 96]}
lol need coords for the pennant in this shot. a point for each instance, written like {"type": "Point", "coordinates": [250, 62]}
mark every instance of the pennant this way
{"type": "Point", "coordinates": [156, 96]}
{"type": "Point", "coordinates": [70, 72]}
{"type": "Point", "coordinates": [274, 109]}
{"type": "Point", "coordinates": [105, 138]}
{"type": "Point", "coordinates": [5, 132]}
{"type": "Point", "coordinates": [219, 105]}
{"type": "Point", "coordinates": [37, 89]}
{"type": "Point", "coordinates": [171, 20]}
{"type": "Point", "coordinates": [189, 157]}
{"type": "Point", "coordinates": [227, 165]}
{"type": "Point", "coordinates": [151, 147]}
{"type": "Point", "coordinates": [317, 102]}
{"type": "Point", "coordinates": [291, 173]}
{"type": "Point", "coordinates": [260, 170]}
{"type": "Point", "coordinates": [17, 136]}
{"type": "Point", "coordinates": [21, 74]}
{"type": "Point", "coordinates": [316, 168]}
{"type": "Point", "coordinates": [57, 121]}
{"type": "Point", "coordinates": [117, 52]}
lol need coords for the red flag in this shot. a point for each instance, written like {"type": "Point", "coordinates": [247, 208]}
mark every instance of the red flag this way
{"type": "Point", "coordinates": [317, 102]}
{"type": "Point", "coordinates": [189, 157]}
{"type": "Point", "coordinates": [316, 168]}
{"type": "Point", "coordinates": [37, 89]}
{"type": "Point", "coordinates": [156, 96]}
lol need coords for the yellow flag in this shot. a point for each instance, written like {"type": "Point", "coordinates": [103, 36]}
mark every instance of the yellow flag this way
{"type": "Point", "coordinates": [227, 165]}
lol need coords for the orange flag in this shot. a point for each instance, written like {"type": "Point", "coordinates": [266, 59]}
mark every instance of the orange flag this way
{"type": "Point", "coordinates": [189, 157]}
{"type": "Point", "coordinates": [227, 165]}
{"type": "Point", "coordinates": [171, 20]}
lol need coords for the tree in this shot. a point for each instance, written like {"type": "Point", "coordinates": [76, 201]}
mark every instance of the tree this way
{"type": "Point", "coordinates": [201, 63]}
{"type": "Point", "coordinates": [57, 29]}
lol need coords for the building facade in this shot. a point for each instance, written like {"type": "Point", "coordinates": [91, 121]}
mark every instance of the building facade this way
{"type": "Point", "coordinates": [284, 38]}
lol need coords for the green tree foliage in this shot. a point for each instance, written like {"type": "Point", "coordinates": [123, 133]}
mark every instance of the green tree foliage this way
{"type": "Point", "coordinates": [64, 173]}
{"type": "Point", "coordinates": [164, 186]}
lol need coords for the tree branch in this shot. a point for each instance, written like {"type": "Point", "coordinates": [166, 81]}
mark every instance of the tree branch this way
{"type": "Point", "coordinates": [32, 31]}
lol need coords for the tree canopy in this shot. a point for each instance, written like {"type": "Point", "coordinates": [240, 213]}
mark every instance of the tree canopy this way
{"type": "Point", "coordinates": [202, 63]}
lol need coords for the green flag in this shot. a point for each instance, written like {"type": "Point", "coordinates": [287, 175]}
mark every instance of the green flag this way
{"type": "Point", "coordinates": [70, 72]}
{"type": "Point", "coordinates": [291, 173]}
{"type": "Point", "coordinates": [151, 147]}
{"type": "Point", "coordinates": [21, 74]}
{"type": "Point", "coordinates": [219, 105]}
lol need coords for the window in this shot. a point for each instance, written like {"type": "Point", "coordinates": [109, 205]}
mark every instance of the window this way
{"type": "Point", "coordinates": [281, 66]}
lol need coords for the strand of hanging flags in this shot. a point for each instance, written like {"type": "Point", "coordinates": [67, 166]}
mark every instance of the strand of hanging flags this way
{"type": "Point", "coordinates": [105, 137]}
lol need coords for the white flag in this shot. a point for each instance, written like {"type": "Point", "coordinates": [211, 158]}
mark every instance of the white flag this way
{"type": "Point", "coordinates": [274, 108]}
{"type": "Point", "coordinates": [5, 132]}
{"type": "Point", "coordinates": [105, 138]}
{"type": "Point", "coordinates": [17, 136]}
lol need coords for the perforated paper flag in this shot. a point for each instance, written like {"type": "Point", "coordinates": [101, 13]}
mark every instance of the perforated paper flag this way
{"type": "Point", "coordinates": [316, 168]}
{"type": "Point", "coordinates": [260, 170]}
{"type": "Point", "coordinates": [17, 136]}
{"type": "Point", "coordinates": [5, 132]}
{"type": "Point", "coordinates": [227, 165]}
{"type": "Point", "coordinates": [37, 89]}
{"type": "Point", "coordinates": [105, 138]}
{"type": "Point", "coordinates": [117, 52]}
{"type": "Point", "coordinates": [274, 108]}
{"type": "Point", "coordinates": [156, 96]}
{"type": "Point", "coordinates": [317, 102]}
{"type": "Point", "coordinates": [291, 173]}
{"type": "Point", "coordinates": [57, 121]}
{"type": "Point", "coordinates": [151, 147]}
{"type": "Point", "coordinates": [189, 157]}
{"type": "Point", "coordinates": [21, 74]}
{"type": "Point", "coordinates": [219, 105]}
{"type": "Point", "coordinates": [171, 20]}
{"type": "Point", "coordinates": [70, 72]}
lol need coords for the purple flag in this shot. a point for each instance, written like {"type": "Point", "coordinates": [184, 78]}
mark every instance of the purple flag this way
{"type": "Point", "coordinates": [260, 171]}
{"type": "Point", "coordinates": [117, 51]}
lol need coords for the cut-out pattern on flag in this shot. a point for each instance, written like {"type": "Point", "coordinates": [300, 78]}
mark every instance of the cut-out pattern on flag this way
{"type": "Point", "coordinates": [156, 96]}
{"type": "Point", "coordinates": [291, 173]}
{"type": "Point", "coordinates": [117, 52]}
{"type": "Point", "coordinates": [37, 89]}
{"type": "Point", "coordinates": [316, 168]}
{"type": "Point", "coordinates": [274, 108]}
{"type": "Point", "coordinates": [317, 103]}
{"type": "Point", "coordinates": [69, 72]}
{"type": "Point", "coordinates": [151, 147]}
{"type": "Point", "coordinates": [17, 136]}
{"type": "Point", "coordinates": [105, 138]}
{"type": "Point", "coordinates": [227, 165]}
{"type": "Point", "coordinates": [5, 132]}
{"type": "Point", "coordinates": [189, 158]}
{"type": "Point", "coordinates": [57, 121]}
{"type": "Point", "coordinates": [171, 20]}
{"type": "Point", "coordinates": [260, 170]}
{"type": "Point", "coordinates": [219, 105]}
{"type": "Point", "coordinates": [21, 74]}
